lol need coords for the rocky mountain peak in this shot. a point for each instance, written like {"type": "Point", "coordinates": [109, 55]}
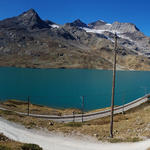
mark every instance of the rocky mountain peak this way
{"type": "Point", "coordinates": [96, 24]}
{"type": "Point", "coordinates": [115, 27]}
{"type": "Point", "coordinates": [30, 12]}
{"type": "Point", "coordinates": [77, 23]}
{"type": "Point", "coordinates": [124, 27]}
{"type": "Point", "coordinates": [32, 20]}
{"type": "Point", "coordinates": [49, 22]}
{"type": "Point", "coordinates": [29, 15]}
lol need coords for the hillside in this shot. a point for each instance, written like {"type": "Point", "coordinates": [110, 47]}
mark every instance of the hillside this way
{"type": "Point", "coordinates": [131, 126]}
{"type": "Point", "coordinates": [28, 41]}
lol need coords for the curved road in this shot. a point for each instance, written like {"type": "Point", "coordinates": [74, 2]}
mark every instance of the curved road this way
{"type": "Point", "coordinates": [58, 142]}
{"type": "Point", "coordinates": [91, 116]}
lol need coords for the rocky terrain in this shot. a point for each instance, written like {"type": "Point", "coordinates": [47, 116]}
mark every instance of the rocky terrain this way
{"type": "Point", "coordinates": [28, 41]}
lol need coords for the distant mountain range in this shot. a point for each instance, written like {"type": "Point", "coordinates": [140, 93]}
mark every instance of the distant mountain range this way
{"type": "Point", "coordinates": [29, 41]}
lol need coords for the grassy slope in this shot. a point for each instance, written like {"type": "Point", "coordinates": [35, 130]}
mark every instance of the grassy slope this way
{"type": "Point", "coordinates": [130, 127]}
{"type": "Point", "coordinates": [22, 106]}
{"type": "Point", "coordinates": [8, 144]}
{"type": "Point", "coordinates": [95, 59]}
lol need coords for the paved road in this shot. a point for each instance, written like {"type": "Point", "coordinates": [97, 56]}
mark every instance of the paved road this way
{"type": "Point", "coordinates": [90, 116]}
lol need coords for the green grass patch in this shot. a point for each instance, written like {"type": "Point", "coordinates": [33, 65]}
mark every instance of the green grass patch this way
{"type": "Point", "coordinates": [31, 147]}
{"type": "Point", "coordinates": [4, 148]}
{"type": "Point", "coordinates": [74, 124]}
{"type": "Point", "coordinates": [16, 102]}
{"type": "Point", "coordinates": [118, 140]}
{"type": "Point", "coordinates": [6, 112]}
{"type": "Point", "coordinates": [31, 124]}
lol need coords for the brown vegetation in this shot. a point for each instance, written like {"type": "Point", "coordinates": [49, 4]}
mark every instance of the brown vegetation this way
{"type": "Point", "coordinates": [22, 106]}
{"type": "Point", "coordinates": [94, 59]}
{"type": "Point", "coordinates": [130, 127]}
{"type": "Point", "coordinates": [8, 144]}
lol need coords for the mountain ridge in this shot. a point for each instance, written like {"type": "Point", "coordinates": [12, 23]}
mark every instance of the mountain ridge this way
{"type": "Point", "coordinates": [28, 41]}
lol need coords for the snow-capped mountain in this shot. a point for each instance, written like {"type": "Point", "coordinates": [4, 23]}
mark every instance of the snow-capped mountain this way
{"type": "Point", "coordinates": [28, 41]}
{"type": "Point", "coordinates": [129, 35]}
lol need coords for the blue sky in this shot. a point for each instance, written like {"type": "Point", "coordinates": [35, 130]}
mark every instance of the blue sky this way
{"type": "Point", "coordinates": [62, 11]}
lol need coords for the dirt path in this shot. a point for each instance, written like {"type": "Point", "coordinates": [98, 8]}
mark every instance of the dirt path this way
{"type": "Point", "coordinates": [58, 142]}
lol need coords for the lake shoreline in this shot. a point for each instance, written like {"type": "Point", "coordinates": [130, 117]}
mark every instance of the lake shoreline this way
{"type": "Point", "coordinates": [65, 88]}
{"type": "Point", "coordinates": [65, 68]}
{"type": "Point", "coordinates": [69, 68]}
{"type": "Point", "coordinates": [22, 107]}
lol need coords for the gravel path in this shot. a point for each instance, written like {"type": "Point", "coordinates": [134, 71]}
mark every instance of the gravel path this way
{"type": "Point", "coordinates": [58, 142]}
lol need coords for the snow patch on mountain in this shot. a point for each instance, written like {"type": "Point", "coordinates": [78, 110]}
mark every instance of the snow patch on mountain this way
{"type": "Point", "coordinates": [94, 30]}
{"type": "Point", "coordinates": [54, 26]}
{"type": "Point", "coordinates": [108, 24]}
{"type": "Point", "coordinates": [102, 20]}
{"type": "Point", "coordinates": [119, 34]}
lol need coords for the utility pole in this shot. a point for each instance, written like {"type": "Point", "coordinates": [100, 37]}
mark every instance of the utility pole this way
{"type": "Point", "coordinates": [82, 107]}
{"type": "Point", "coordinates": [28, 105]}
{"type": "Point", "coordinates": [113, 88]}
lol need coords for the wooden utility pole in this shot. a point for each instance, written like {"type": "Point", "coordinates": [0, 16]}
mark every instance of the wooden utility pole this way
{"type": "Point", "coordinates": [113, 88]}
{"type": "Point", "coordinates": [28, 105]}
{"type": "Point", "coordinates": [82, 107]}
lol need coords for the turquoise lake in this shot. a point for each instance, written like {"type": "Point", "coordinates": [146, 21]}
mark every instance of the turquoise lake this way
{"type": "Point", "coordinates": [65, 87]}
